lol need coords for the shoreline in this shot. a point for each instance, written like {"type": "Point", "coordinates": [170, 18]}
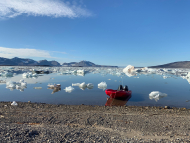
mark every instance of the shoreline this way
{"type": "Point", "coordinates": [42, 122]}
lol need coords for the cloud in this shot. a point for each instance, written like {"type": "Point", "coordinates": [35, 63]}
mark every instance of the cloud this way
{"type": "Point", "coordinates": [25, 53]}
{"type": "Point", "coordinates": [52, 8]}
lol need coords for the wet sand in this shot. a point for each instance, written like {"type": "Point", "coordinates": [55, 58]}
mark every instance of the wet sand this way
{"type": "Point", "coordinates": [38, 122]}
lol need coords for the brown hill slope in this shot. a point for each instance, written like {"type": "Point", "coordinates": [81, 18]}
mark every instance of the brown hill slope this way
{"type": "Point", "coordinates": [181, 64]}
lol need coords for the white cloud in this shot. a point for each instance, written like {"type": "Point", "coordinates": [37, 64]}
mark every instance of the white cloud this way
{"type": "Point", "coordinates": [25, 53]}
{"type": "Point", "coordinates": [52, 8]}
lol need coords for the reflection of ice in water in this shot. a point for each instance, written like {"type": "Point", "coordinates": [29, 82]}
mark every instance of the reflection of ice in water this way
{"type": "Point", "coordinates": [156, 95]}
{"type": "Point", "coordinates": [102, 85]}
{"type": "Point", "coordinates": [37, 87]}
{"type": "Point", "coordinates": [55, 89]}
{"type": "Point", "coordinates": [90, 85]}
{"type": "Point", "coordinates": [69, 89]}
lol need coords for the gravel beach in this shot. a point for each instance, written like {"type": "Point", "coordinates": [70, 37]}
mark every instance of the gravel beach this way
{"type": "Point", "coordinates": [39, 122]}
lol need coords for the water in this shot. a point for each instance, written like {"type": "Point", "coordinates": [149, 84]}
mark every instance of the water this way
{"type": "Point", "coordinates": [175, 85]}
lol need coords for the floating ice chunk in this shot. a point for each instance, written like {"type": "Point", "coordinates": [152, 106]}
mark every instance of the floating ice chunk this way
{"type": "Point", "coordinates": [9, 82]}
{"type": "Point", "coordinates": [54, 85]}
{"type": "Point", "coordinates": [156, 95]}
{"type": "Point", "coordinates": [18, 87]}
{"type": "Point", "coordinates": [29, 75]}
{"type": "Point", "coordinates": [151, 70]}
{"type": "Point", "coordinates": [80, 71]}
{"type": "Point", "coordinates": [144, 69]}
{"type": "Point", "coordinates": [75, 84]}
{"type": "Point", "coordinates": [14, 103]}
{"type": "Point", "coordinates": [37, 87]}
{"type": "Point", "coordinates": [22, 80]}
{"type": "Point", "coordinates": [69, 89]}
{"type": "Point", "coordinates": [2, 81]}
{"type": "Point", "coordinates": [7, 74]}
{"type": "Point", "coordinates": [81, 74]}
{"type": "Point", "coordinates": [83, 85]}
{"type": "Point", "coordinates": [51, 85]}
{"type": "Point", "coordinates": [90, 85]}
{"type": "Point", "coordinates": [102, 85]}
{"type": "Point", "coordinates": [129, 71]}
{"type": "Point", "coordinates": [23, 84]}
{"type": "Point", "coordinates": [188, 75]}
{"type": "Point", "coordinates": [129, 68]}
{"type": "Point", "coordinates": [11, 85]}
{"type": "Point", "coordinates": [164, 77]}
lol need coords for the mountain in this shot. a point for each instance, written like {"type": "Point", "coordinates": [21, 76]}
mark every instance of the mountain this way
{"type": "Point", "coordinates": [23, 62]}
{"type": "Point", "coordinates": [29, 62]}
{"type": "Point", "coordinates": [26, 62]}
{"type": "Point", "coordinates": [69, 64]}
{"type": "Point", "coordinates": [180, 64]}
{"type": "Point", "coordinates": [84, 64]}
{"type": "Point", "coordinates": [5, 61]}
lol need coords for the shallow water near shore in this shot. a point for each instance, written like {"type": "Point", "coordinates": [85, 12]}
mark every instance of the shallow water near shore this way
{"type": "Point", "coordinates": [176, 88]}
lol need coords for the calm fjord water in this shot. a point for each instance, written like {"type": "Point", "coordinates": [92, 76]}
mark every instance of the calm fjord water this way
{"type": "Point", "coordinates": [176, 88]}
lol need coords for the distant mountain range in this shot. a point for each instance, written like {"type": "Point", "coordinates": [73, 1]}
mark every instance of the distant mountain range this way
{"type": "Point", "coordinates": [181, 64]}
{"type": "Point", "coordinates": [29, 62]}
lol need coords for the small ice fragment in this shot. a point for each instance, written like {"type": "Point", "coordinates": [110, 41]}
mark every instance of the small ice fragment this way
{"type": "Point", "coordinates": [24, 84]}
{"type": "Point", "coordinates": [109, 79]}
{"type": "Point", "coordinates": [75, 84]}
{"type": "Point", "coordinates": [14, 103]}
{"type": "Point", "coordinates": [69, 89]}
{"type": "Point", "coordinates": [37, 87]}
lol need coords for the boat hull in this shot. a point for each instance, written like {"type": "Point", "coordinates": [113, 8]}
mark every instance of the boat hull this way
{"type": "Point", "coordinates": [118, 94]}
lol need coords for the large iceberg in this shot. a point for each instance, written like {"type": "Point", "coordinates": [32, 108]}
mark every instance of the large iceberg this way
{"type": "Point", "coordinates": [129, 71]}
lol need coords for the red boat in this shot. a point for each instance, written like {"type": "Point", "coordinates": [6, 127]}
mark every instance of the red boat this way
{"type": "Point", "coordinates": [118, 94]}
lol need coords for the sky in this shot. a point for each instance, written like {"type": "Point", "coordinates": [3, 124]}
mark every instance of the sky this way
{"type": "Point", "coordinates": [105, 32]}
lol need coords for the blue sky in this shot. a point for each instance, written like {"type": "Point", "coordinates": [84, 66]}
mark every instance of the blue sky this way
{"type": "Point", "coordinates": [106, 32]}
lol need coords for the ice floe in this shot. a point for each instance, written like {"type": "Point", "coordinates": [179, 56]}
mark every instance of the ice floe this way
{"type": "Point", "coordinates": [102, 85]}
{"type": "Point", "coordinates": [69, 89]}
{"type": "Point", "coordinates": [21, 85]}
{"type": "Point", "coordinates": [54, 85]}
{"type": "Point", "coordinates": [156, 95]}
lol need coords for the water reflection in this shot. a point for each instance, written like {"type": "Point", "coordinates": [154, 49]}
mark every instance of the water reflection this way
{"type": "Point", "coordinates": [117, 102]}
{"type": "Point", "coordinates": [55, 89]}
